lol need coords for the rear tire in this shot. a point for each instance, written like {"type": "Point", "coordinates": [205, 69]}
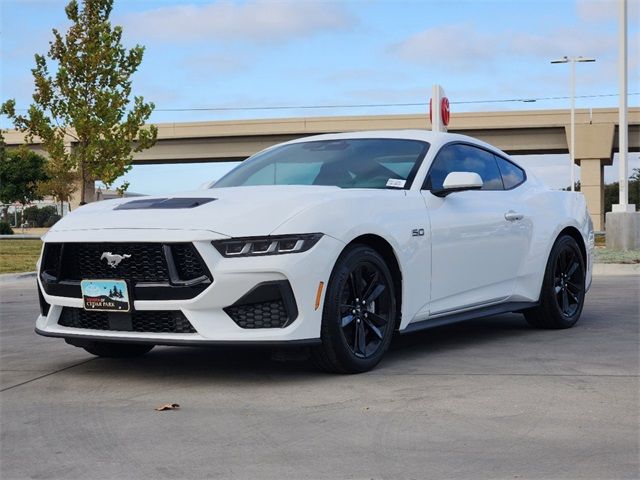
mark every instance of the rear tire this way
{"type": "Point", "coordinates": [359, 314]}
{"type": "Point", "coordinates": [563, 288]}
{"type": "Point", "coordinates": [117, 350]}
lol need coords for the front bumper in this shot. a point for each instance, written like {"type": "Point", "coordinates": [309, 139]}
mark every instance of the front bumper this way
{"type": "Point", "coordinates": [233, 278]}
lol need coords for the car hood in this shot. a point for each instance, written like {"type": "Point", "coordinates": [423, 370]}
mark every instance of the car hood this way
{"type": "Point", "coordinates": [234, 212]}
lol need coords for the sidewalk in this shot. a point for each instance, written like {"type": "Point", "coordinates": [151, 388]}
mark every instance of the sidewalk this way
{"type": "Point", "coordinates": [616, 269]}
{"type": "Point", "coordinates": [16, 277]}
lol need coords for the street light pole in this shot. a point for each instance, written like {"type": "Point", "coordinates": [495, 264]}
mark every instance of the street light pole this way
{"type": "Point", "coordinates": [572, 155]}
{"type": "Point", "coordinates": [623, 132]}
{"type": "Point", "coordinates": [623, 222]}
{"type": "Point", "coordinates": [572, 88]}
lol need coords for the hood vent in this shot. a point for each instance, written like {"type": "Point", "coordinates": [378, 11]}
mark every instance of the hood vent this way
{"type": "Point", "coordinates": [164, 203]}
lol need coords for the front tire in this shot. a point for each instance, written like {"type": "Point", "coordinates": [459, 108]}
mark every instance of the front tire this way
{"type": "Point", "coordinates": [117, 350]}
{"type": "Point", "coordinates": [563, 288]}
{"type": "Point", "coordinates": [359, 313]}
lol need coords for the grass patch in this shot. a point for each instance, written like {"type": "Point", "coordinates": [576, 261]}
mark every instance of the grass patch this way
{"type": "Point", "coordinates": [19, 255]}
{"type": "Point", "coordinates": [605, 255]}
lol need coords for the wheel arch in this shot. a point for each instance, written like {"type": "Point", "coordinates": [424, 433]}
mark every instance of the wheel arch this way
{"type": "Point", "coordinates": [574, 233]}
{"type": "Point", "coordinates": [386, 251]}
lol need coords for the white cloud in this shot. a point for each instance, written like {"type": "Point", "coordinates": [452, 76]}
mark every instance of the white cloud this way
{"type": "Point", "coordinates": [464, 45]}
{"type": "Point", "coordinates": [606, 10]}
{"type": "Point", "coordinates": [612, 174]}
{"type": "Point", "coordinates": [258, 21]}
{"type": "Point", "coordinates": [453, 44]}
{"type": "Point", "coordinates": [553, 170]}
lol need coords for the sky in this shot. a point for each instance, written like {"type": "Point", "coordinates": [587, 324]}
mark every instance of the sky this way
{"type": "Point", "coordinates": [234, 55]}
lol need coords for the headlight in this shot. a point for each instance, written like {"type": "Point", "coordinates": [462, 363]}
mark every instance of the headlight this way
{"type": "Point", "coordinates": [274, 245]}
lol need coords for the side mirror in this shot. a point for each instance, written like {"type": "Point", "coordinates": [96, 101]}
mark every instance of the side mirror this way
{"type": "Point", "coordinates": [458, 182]}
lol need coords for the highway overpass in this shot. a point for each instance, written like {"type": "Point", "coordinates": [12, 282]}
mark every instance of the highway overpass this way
{"type": "Point", "coordinates": [515, 132]}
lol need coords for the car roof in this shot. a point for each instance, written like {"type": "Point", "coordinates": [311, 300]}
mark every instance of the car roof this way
{"type": "Point", "coordinates": [436, 139]}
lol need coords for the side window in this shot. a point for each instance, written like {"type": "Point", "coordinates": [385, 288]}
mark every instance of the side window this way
{"type": "Point", "coordinates": [512, 175]}
{"type": "Point", "coordinates": [464, 158]}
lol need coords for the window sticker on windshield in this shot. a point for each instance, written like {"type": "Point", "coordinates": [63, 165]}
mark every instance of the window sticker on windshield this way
{"type": "Point", "coordinates": [396, 183]}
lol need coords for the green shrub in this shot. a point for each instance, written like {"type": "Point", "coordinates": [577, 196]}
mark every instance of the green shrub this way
{"type": "Point", "coordinates": [30, 215]}
{"type": "Point", "coordinates": [46, 214]}
{"type": "Point", "coordinates": [39, 217]}
{"type": "Point", "coordinates": [5, 229]}
{"type": "Point", "coordinates": [50, 222]}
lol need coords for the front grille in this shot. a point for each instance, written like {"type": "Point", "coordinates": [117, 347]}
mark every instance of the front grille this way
{"type": "Point", "coordinates": [155, 271]}
{"type": "Point", "coordinates": [51, 258]}
{"type": "Point", "coordinates": [259, 315]}
{"type": "Point", "coordinates": [148, 321]}
{"type": "Point", "coordinates": [84, 260]}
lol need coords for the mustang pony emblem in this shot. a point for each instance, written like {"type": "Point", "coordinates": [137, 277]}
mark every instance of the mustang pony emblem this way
{"type": "Point", "coordinates": [114, 259]}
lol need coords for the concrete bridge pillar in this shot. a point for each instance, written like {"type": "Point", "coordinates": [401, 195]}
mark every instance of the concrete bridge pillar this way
{"type": "Point", "coordinates": [594, 150]}
{"type": "Point", "coordinates": [592, 187]}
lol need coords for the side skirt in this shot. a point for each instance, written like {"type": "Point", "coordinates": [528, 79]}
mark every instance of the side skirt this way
{"type": "Point", "coordinates": [468, 315]}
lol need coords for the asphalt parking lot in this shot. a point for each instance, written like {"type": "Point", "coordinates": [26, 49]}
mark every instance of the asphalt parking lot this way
{"type": "Point", "coordinates": [485, 399]}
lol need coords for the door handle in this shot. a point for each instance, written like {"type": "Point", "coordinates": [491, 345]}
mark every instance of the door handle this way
{"type": "Point", "coordinates": [512, 216]}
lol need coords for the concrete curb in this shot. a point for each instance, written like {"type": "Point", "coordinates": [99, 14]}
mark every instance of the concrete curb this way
{"type": "Point", "coordinates": [598, 269]}
{"type": "Point", "coordinates": [16, 277]}
{"type": "Point", "coordinates": [616, 269]}
{"type": "Point", "coordinates": [21, 236]}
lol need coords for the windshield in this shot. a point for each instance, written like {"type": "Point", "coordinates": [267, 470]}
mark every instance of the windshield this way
{"type": "Point", "coordinates": [349, 163]}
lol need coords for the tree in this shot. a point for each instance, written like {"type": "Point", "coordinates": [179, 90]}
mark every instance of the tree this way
{"type": "Point", "coordinates": [576, 187]}
{"type": "Point", "coordinates": [20, 172]}
{"type": "Point", "coordinates": [4, 211]}
{"type": "Point", "coordinates": [87, 102]}
{"type": "Point", "coordinates": [3, 146]}
{"type": "Point", "coordinates": [611, 191]}
{"type": "Point", "coordinates": [61, 183]}
{"type": "Point", "coordinates": [40, 217]}
{"type": "Point", "coordinates": [634, 187]}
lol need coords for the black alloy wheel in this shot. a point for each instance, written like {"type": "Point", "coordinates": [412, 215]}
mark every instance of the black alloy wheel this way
{"type": "Point", "coordinates": [568, 282]}
{"type": "Point", "coordinates": [359, 315]}
{"type": "Point", "coordinates": [365, 309]}
{"type": "Point", "coordinates": [563, 287]}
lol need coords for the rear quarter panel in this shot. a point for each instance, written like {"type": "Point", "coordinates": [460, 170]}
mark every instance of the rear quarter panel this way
{"type": "Point", "coordinates": [550, 212]}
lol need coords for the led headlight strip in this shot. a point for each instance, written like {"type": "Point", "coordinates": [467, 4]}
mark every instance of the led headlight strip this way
{"type": "Point", "coordinates": [273, 245]}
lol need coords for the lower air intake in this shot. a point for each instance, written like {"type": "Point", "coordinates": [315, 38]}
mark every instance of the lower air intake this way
{"type": "Point", "coordinates": [149, 321]}
{"type": "Point", "coordinates": [259, 315]}
{"type": "Point", "coordinates": [267, 305]}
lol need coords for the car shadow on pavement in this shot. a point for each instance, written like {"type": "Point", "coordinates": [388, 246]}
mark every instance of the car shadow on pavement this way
{"type": "Point", "coordinates": [237, 363]}
{"type": "Point", "coordinates": [463, 334]}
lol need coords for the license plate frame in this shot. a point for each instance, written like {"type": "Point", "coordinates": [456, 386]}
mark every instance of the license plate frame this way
{"type": "Point", "coordinates": [105, 295]}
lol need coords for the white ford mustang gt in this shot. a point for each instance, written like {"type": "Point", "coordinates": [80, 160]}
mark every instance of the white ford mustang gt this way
{"type": "Point", "coordinates": [334, 241]}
